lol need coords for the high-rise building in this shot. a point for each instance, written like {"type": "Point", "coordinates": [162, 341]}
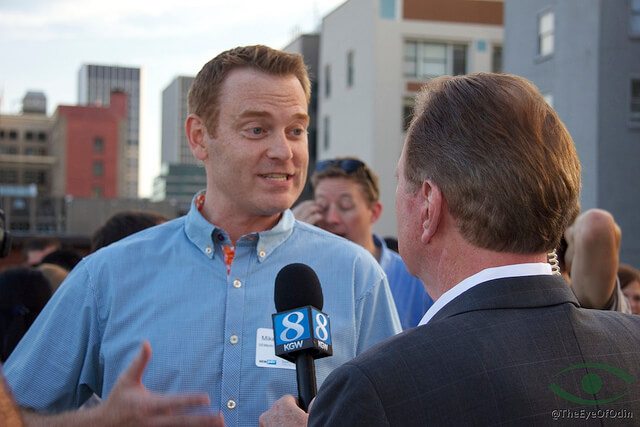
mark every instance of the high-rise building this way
{"type": "Point", "coordinates": [175, 146]}
{"type": "Point", "coordinates": [182, 175]}
{"type": "Point", "coordinates": [95, 84]}
{"type": "Point", "coordinates": [584, 56]}
{"type": "Point", "coordinates": [375, 55]}
{"type": "Point", "coordinates": [89, 141]}
{"type": "Point", "coordinates": [26, 161]}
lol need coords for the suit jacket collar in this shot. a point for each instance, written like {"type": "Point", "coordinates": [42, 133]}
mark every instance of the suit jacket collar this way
{"type": "Point", "coordinates": [510, 292]}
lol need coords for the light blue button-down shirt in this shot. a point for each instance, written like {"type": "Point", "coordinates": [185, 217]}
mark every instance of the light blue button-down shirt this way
{"type": "Point", "coordinates": [169, 285]}
{"type": "Point", "coordinates": [409, 294]}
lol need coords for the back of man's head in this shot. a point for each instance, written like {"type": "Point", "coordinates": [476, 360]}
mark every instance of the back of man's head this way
{"type": "Point", "coordinates": [505, 163]}
{"type": "Point", "coordinates": [205, 90]}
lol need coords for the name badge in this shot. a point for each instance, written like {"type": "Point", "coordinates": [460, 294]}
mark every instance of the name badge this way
{"type": "Point", "coordinates": [265, 352]}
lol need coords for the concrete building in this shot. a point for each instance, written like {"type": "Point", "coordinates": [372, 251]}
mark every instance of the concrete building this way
{"type": "Point", "coordinates": [374, 56]}
{"type": "Point", "coordinates": [26, 159]}
{"type": "Point", "coordinates": [308, 45]}
{"type": "Point", "coordinates": [91, 149]}
{"type": "Point", "coordinates": [95, 84]}
{"type": "Point", "coordinates": [175, 146]}
{"type": "Point", "coordinates": [584, 56]}
{"type": "Point", "coordinates": [182, 175]}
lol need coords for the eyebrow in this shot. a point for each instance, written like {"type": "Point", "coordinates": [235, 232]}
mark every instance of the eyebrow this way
{"type": "Point", "coordinates": [259, 113]}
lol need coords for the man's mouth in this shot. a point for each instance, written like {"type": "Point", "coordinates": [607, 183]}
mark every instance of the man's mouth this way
{"type": "Point", "coordinates": [277, 176]}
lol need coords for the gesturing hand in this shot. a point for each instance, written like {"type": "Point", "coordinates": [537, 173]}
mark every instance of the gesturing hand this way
{"type": "Point", "coordinates": [131, 404]}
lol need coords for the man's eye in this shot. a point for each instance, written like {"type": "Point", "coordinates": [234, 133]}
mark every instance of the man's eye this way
{"type": "Point", "coordinates": [257, 131]}
{"type": "Point", "coordinates": [298, 132]}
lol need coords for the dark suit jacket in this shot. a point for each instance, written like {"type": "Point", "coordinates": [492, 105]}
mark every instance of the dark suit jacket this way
{"type": "Point", "coordinates": [507, 352]}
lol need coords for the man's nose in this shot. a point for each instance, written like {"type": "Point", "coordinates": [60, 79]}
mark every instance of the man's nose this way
{"type": "Point", "coordinates": [280, 146]}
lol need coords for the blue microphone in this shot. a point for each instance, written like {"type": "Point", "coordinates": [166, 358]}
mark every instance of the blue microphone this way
{"type": "Point", "coordinates": [301, 331]}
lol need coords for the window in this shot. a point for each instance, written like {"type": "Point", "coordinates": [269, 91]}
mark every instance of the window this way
{"type": "Point", "coordinates": [1, 133]}
{"type": "Point", "coordinates": [496, 59]}
{"type": "Point", "coordinates": [327, 80]}
{"type": "Point", "coordinates": [634, 18]}
{"type": "Point", "coordinates": [388, 9]}
{"type": "Point", "coordinates": [13, 134]}
{"type": "Point", "coordinates": [98, 144]}
{"type": "Point", "coordinates": [427, 59]}
{"type": "Point", "coordinates": [326, 133]}
{"type": "Point", "coordinates": [97, 169]}
{"type": "Point", "coordinates": [634, 112]}
{"type": "Point", "coordinates": [545, 33]}
{"type": "Point", "coordinates": [42, 136]}
{"type": "Point", "coordinates": [8, 176]}
{"type": "Point", "coordinates": [28, 135]}
{"type": "Point", "coordinates": [350, 69]}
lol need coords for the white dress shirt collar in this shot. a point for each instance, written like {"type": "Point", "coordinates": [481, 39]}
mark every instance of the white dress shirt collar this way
{"type": "Point", "coordinates": [515, 270]}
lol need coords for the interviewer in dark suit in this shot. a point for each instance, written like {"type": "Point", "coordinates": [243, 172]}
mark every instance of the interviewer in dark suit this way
{"type": "Point", "coordinates": [488, 180]}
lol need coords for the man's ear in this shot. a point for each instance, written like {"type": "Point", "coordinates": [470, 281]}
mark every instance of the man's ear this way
{"type": "Point", "coordinates": [376, 211]}
{"type": "Point", "coordinates": [196, 134]}
{"type": "Point", "coordinates": [431, 210]}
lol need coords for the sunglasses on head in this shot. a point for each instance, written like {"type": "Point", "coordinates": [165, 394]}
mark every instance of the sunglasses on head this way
{"type": "Point", "coordinates": [347, 165]}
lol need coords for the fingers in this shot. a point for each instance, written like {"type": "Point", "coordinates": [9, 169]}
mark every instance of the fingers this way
{"type": "Point", "coordinates": [284, 413]}
{"type": "Point", "coordinates": [307, 211]}
{"type": "Point", "coordinates": [157, 403]}
{"type": "Point", "coordinates": [136, 369]}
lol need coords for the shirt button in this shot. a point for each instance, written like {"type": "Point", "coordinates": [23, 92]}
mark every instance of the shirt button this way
{"type": "Point", "coordinates": [231, 403]}
{"type": "Point", "coordinates": [262, 254]}
{"type": "Point", "coordinates": [208, 249]}
{"type": "Point", "coordinates": [237, 283]}
{"type": "Point", "coordinates": [234, 339]}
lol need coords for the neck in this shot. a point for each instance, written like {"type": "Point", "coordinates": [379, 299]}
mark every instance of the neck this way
{"type": "Point", "coordinates": [237, 226]}
{"type": "Point", "coordinates": [370, 245]}
{"type": "Point", "coordinates": [456, 264]}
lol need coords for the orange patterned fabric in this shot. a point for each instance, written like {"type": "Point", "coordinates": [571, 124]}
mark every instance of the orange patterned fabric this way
{"type": "Point", "coordinates": [228, 251]}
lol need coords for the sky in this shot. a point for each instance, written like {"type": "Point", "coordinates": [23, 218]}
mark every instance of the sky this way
{"type": "Point", "coordinates": [43, 43]}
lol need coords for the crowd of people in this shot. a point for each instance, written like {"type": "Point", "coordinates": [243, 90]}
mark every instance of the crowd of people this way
{"type": "Point", "coordinates": [168, 321]}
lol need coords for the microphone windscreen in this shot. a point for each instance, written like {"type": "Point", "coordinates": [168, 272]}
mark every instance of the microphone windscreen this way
{"type": "Point", "coordinates": [296, 286]}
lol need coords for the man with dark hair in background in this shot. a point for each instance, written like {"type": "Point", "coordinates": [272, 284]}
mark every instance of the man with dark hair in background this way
{"type": "Point", "coordinates": [199, 289]}
{"type": "Point", "coordinates": [488, 180]}
{"type": "Point", "coordinates": [123, 224]}
{"type": "Point", "coordinates": [37, 248]}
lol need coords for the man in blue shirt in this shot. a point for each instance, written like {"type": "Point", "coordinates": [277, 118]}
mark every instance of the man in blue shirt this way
{"type": "Point", "coordinates": [346, 202]}
{"type": "Point", "coordinates": [199, 289]}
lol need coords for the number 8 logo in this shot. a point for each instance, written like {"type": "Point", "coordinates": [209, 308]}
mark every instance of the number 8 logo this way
{"type": "Point", "coordinates": [321, 331]}
{"type": "Point", "coordinates": [292, 326]}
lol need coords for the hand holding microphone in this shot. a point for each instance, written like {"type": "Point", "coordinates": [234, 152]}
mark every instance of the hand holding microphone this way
{"type": "Point", "coordinates": [301, 331]}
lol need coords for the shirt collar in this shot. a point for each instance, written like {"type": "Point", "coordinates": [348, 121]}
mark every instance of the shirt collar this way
{"type": "Point", "coordinates": [204, 235]}
{"type": "Point", "coordinates": [514, 270]}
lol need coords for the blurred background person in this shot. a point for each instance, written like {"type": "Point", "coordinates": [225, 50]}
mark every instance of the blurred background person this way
{"type": "Point", "coordinates": [630, 284]}
{"type": "Point", "coordinates": [24, 291]}
{"type": "Point", "coordinates": [37, 248]}
{"type": "Point", "coordinates": [588, 258]}
{"type": "Point", "coordinates": [54, 274]}
{"type": "Point", "coordinates": [347, 203]}
{"type": "Point", "coordinates": [65, 258]}
{"type": "Point", "coordinates": [123, 224]}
